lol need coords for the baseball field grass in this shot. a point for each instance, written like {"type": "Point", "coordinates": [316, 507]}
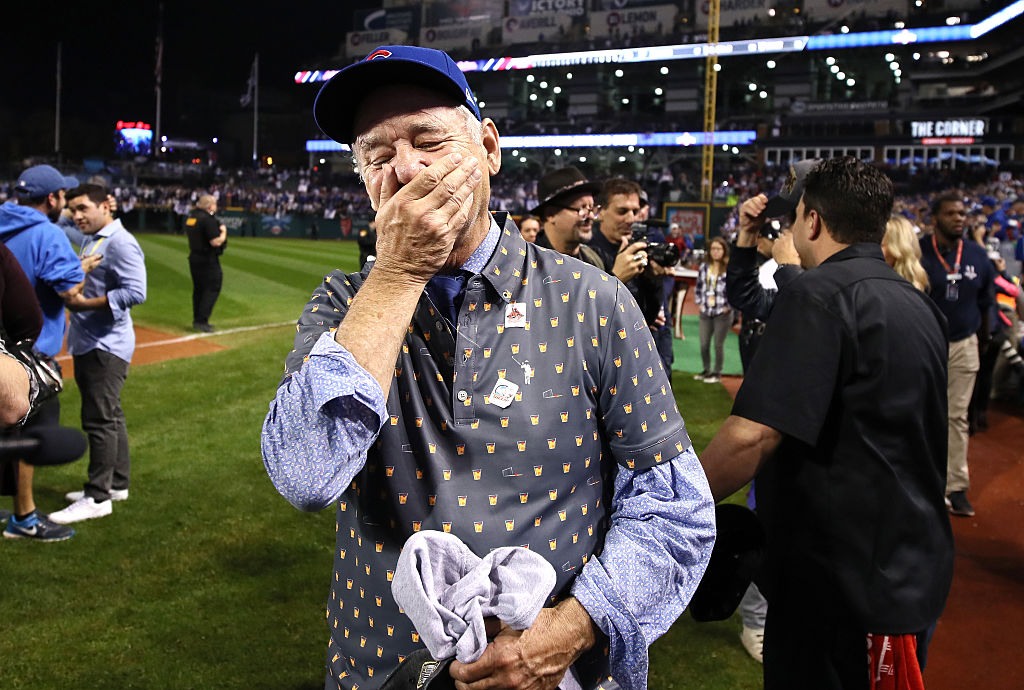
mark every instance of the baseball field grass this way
{"type": "Point", "coordinates": [205, 577]}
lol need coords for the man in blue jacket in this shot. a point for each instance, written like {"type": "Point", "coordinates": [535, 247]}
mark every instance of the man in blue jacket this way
{"type": "Point", "coordinates": [27, 228]}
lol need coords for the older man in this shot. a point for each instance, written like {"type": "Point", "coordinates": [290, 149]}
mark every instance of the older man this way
{"type": "Point", "coordinates": [471, 383]}
{"type": "Point", "coordinates": [843, 411]}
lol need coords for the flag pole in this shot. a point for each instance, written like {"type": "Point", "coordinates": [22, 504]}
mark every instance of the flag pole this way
{"type": "Point", "coordinates": [255, 107]}
{"type": "Point", "coordinates": [159, 74]}
{"type": "Point", "coordinates": [56, 124]}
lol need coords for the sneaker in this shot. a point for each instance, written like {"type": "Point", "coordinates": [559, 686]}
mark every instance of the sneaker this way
{"type": "Point", "coordinates": [753, 642]}
{"type": "Point", "coordinates": [115, 495]}
{"type": "Point", "coordinates": [712, 378]}
{"type": "Point", "coordinates": [84, 508]}
{"type": "Point", "coordinates": [37, 526]}
{"type": "Point", "coordinates": [701, 376]}
{"type": "Point", "coordinates": [202, 327]}
{"type": "Point", "coordinates": [959, 505]}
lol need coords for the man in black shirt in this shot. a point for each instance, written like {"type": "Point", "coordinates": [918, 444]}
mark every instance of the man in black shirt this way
{"type": "Point", "coordinates": [842, 416]}
{"type": "Point", "coordinates": [206, 239]}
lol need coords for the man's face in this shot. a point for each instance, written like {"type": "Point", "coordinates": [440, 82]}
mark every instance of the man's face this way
{"type": "Point", "coordinates": [404, 129]}
{"type": "Point", "coordinates": [89, 216]}
{"type": "Point", "coordinates": [529, 229]}
{"type": "Point", "coordinates": [213, 207]}
{"type": "Point", "coordinates": [569, 224]}
{"type": "Point", "coordinates": [55, 205]}
{"type": "Point", "coordinates": [618, 216]}
{"type": "Point", "coordinates": [950, 219]}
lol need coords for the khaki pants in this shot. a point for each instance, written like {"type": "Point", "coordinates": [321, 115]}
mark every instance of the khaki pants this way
{"type": "Point", "coordinates": [963, 369]}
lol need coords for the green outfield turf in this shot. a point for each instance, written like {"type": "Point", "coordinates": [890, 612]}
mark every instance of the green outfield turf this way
{"type": "Point", "coordinates": [206, 577]}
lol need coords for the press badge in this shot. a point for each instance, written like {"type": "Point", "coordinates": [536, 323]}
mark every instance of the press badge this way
{"type": "Point", "coordinates": [515, 315]}
{"type": "Point", "coordinates": [504, 393]}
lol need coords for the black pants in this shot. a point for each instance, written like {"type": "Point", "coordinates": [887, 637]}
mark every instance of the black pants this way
{"type": "Point", "coordinates": [206, 282]}
{"type": "Point", "coordinates": [100, 377]}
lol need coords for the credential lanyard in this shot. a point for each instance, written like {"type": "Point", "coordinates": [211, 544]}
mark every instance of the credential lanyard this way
{"type": "Point", "coordinates": [953, 274]}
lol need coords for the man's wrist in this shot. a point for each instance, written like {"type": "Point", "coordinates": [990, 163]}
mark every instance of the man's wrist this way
{"type": "Point", "coordinates": [581, 633]}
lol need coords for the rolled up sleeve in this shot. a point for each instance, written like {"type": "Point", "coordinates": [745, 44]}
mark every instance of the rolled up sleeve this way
{"type": "Point", "coordinates": [320, 424]}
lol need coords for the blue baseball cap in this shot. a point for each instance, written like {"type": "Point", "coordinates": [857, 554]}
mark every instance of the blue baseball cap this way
{"type": "Point", "coordinates": [40, 180]}
{"type": "Point", "coordinates": [335, 107]}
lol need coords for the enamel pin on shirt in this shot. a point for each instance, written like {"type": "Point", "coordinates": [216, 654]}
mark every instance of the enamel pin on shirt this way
{"type": "Point", "coordinates": [515, 315]}
{"type": "Point", "coordinates": [504, 393]}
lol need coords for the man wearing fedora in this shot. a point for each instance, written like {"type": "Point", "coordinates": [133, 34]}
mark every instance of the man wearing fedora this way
{"type": "Point", "coordinates": [471, 383]}
{"type": "Point", "coordinates": [566, 209]}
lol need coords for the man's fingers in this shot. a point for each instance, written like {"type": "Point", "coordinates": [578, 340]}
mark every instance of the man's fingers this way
{"type": "Point", "coordinates": [453, 189]}
{"type": "Point", "coordinates": [635, 247]}
{"type": "Point", "coordinates": [389, 186]}
{"type": "Point", "coordinates": [427, 180]}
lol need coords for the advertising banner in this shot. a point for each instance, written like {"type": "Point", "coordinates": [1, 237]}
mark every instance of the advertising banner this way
{"type": "Point", "coordinates": [455, 36]}
{"type": "Point", "coordinates": [462, 12]}
{"type": "Point", "coordinates": [525, 8]}
{"type": "Point", "coordinates": [609, 5]}
{"type": "Point", "coordinates": [733, 12]}
{"type": "Point", "coordinates": [823, 10]}
{"type": "Point", "coordinates": [359, 43]}
{"type": "Point", "coordinates": [405, 19]}
{"type": "Point", "coordinates": [629, 21]}
{"type": "Point", "coordinates": [534, 28]}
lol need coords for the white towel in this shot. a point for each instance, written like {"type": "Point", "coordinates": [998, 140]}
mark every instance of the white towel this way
{"type": "Point", "coordinates": [446, 590]}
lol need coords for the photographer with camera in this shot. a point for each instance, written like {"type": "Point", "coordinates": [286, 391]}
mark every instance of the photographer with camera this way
{"type": "Point", "coordinates": [638, 255]}
{"type": "Point", "coordinates": [761, 263]}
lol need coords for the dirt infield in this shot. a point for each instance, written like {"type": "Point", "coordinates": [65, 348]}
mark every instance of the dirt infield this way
{"type": "Point", "coordinates": [156, 346]}
{"type": "Point", "coordinates": [976, 644]}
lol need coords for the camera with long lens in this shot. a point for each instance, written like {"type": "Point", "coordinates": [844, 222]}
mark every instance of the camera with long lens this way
{"type": "Point", "coordinates": [661, 253]}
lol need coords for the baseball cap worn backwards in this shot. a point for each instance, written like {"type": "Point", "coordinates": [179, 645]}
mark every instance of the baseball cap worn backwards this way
{"type": "Point", "coordinates": [335, 107]}
{"type": "Point", "coordinates": [788, 198]}
{"type": "Point", "coordinates": [40, 180]}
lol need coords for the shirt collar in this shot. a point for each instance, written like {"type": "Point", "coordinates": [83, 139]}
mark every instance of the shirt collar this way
{"type": "Point", "coordinates": [869, 250]}
{"type": "Point", "coordinates": [505, 269]}
{"type": "Point", "coordinates": [110, 228]}
{"type": "Point", "coordinates": [478, 259]}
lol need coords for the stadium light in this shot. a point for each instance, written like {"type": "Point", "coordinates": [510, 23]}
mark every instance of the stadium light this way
{"type": "Point", "coordinates": [625, 101]}
{"type": "Point", "coordinates": [619, 73]}
{"type": "Point", "coordinates": [215, 140]}
{"type": "Point", "coordinates": [568, 75]}
{"type": "Point", "coordinates": [583, 159]}
{"type": "Point", "coordinates": [851, 81]}
{"type": "Point", "coordinates": [558, 152]}
{"type": "Point", "coordinates": [771, 64]}
{"type": "Point", "coordinates": [549, 103]}
{"type": "Point", "coordinates": [830, 60]}
{"type": "Point", "coordinates": [658, 91]}
{"type": "Point", "coordinates": [664, 70]}
{"type": "Point", "coordinates": [480, 104]}
{"type": "Point", "coordinates": [835, 68]}
{"type": "Point", "coordinates": [889, 57]}
{"type": "Point", "coordinates": [844, 29]}
{"type": "Point", "coordinates": [762, 94]}
{"type": "Point", "coordinates": [533, 96]}
{"type": "Point", "coordinates": [543, 85]}
{"type": "Point", "coordinates": [529, 78]}
{"type": "Point", "coordinates": [752, 86]}
{"type": "Point", "coordinates": [718, 67]}
{"type": "Point", "coordinates": [557, 89]}
{"type": "Point", "coordinates": [522, 159]}
{"type": "Point", "coordinates": [840, 75]}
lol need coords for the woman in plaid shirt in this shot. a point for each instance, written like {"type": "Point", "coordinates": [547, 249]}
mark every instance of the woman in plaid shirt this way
{"type": "Point", "coordinates": [715, 313]}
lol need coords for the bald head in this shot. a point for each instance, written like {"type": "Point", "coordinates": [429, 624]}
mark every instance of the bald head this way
{"type": "Point", "coordinates": [207, 202]}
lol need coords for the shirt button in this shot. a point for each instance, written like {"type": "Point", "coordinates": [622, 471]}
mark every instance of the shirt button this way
{"type": "Point", "coordinates": [462, 395]}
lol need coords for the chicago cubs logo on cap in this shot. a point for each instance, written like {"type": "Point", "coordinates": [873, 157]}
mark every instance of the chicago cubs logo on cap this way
{"type": "Point", "coordinates": [378, 54]}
